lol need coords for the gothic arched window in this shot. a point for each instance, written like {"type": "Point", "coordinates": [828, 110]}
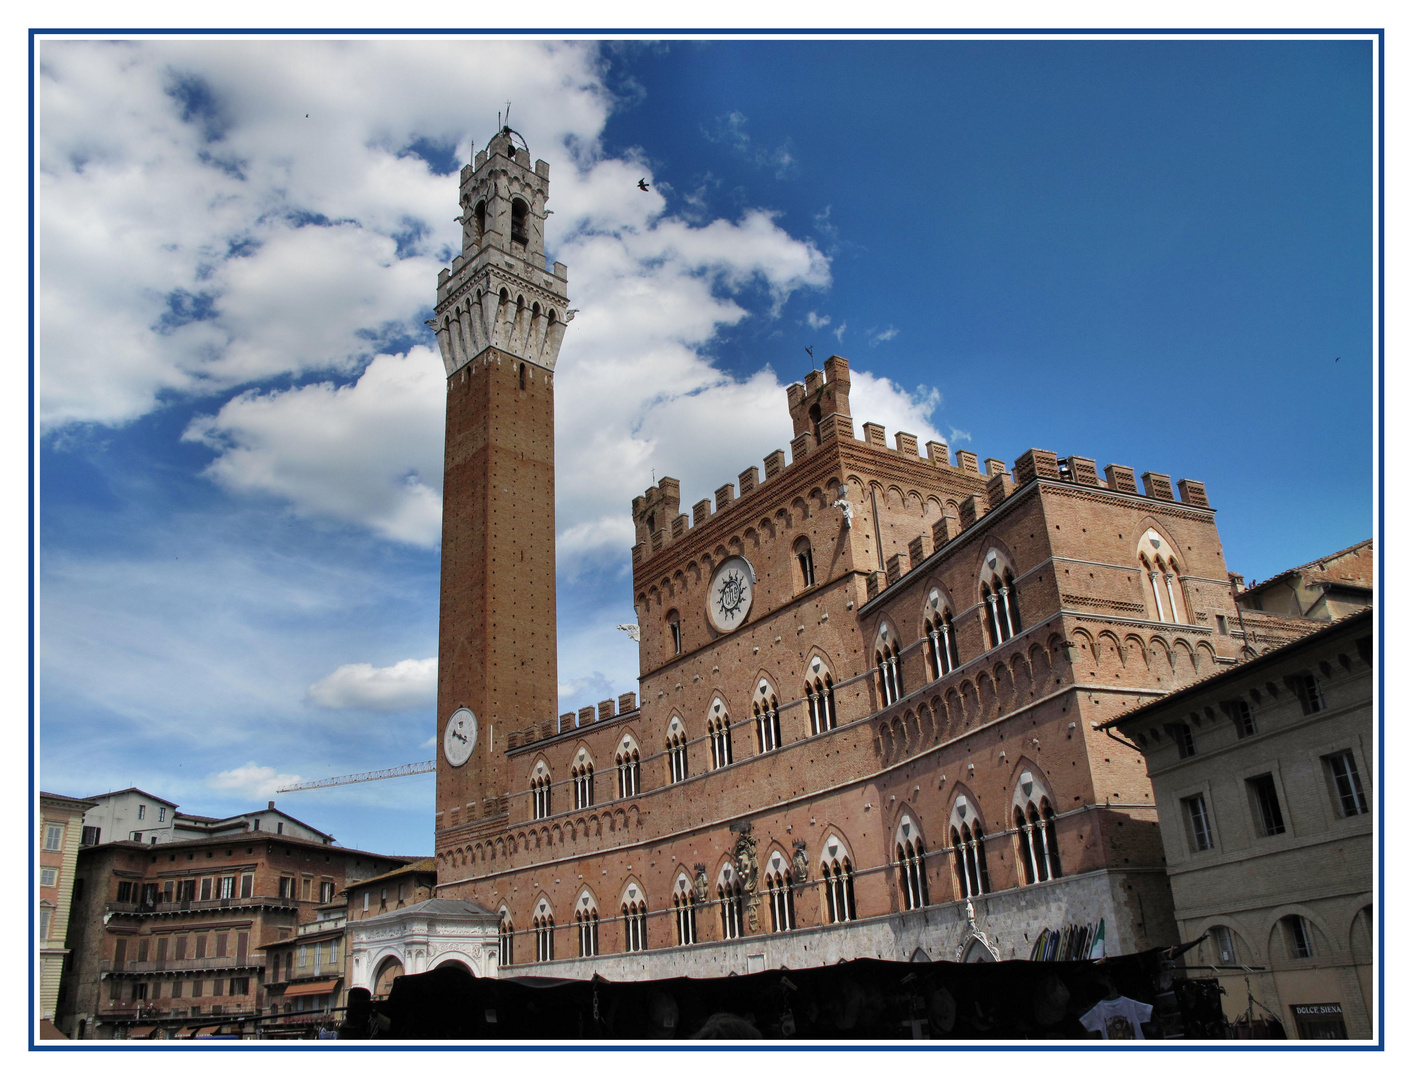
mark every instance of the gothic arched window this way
{"type": "Point", "coordinates": [583, 776]}
{"type": "Point", "coordinates": [767, 716]}
{"type": "Point", "coordinates": [630, 779]}
{"type": "Point", "coordinates": [519, 212]}
{"type": "Point", "coordinates": [890, 669]}
{"type": "Point", "coordinates": [728, 895]}
{"type": "Point", "coordinates": [782, 901]}
{"type": "Point", "coordinates": [506, 938]}
{"type": "Point", "coordinates": [676, 751]}
{"type": "Point", "coordinates": [540, 790]}
{"type": "Point", "coordinates": [804, 558]}
{"type": "Point", "coordinates": [819, 694]}
{"type": "Point", "coordinates": [912, 865]}
{"type": "Point", "coordinates": [685, 911]}
{"type": "Point", "coordinates": [719, 731]}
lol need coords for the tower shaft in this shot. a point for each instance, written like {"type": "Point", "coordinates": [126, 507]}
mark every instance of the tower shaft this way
{"type": "Point", "coordinates": [499, 321]}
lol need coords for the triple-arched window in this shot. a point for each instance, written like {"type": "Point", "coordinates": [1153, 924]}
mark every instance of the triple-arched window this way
{"type": "Point", "coordinates": [719, 731]}
{"type": "Point", "coordinates": [582, 774]}
{"type": "Point", "coordinates": [969, 849]}
{"type": "Point", "coordinates": [676, 751]}
{"type": "Point", "coordinates": [1039, 846]}
{"type": "Point", "coordinates": [684, 911]}
{"type": "Point", "coordinates": [540, 790]}
{"type": "Point", "coordinates": [505, 936]}
{"type": "Point", "coordinates": [890, 669]}
{"type": "Point", "coordinates": [767, 716]}
{"type": "Point", "coordinates": [782, 900]}
{"type": "Point", "coordinates": [586, 926]}
{"type": "Point", "coordinates": [630, 778]}
{"type": "Point", "coordinates": [999, 599]}
{"type": "Point", "coordinates": [912, 865]}
{"type": "Point", "coordinates": [836, 874]}
{"type": "Point", "coordinates": [941, 643]}
{"type": "Point", "coordinates": [635, 920]}
{"type": "Point", "coordinates": [544, 933]}
{"type": "Point", "coordinates": [819, 694]}
{"type": "Point", "coordinates": [729, 897]}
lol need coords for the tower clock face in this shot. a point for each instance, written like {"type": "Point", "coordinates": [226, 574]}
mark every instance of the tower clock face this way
{"type": "Point", "coordinates": [730, 595]}
{"type": "Point", "coordinates": [460, 737]}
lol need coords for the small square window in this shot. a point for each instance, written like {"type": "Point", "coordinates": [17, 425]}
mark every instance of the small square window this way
{"type": "Point", "coordinates": [49, 876]}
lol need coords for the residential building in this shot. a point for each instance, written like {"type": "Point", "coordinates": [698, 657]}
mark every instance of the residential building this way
{"type": "Point", "coordinates": [129, 814]}
{"type": "Point", "coordinates": [1264, 776]}
{"type": "Point", "coordinates": [304, 976]}
{"type": "Point", "coordinates": [168, 939]}
{"type": "Point", "coordinates": [60, 829]}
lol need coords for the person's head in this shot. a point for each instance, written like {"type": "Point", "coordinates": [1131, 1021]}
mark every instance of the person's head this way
{"type": "Point", "coordinates": [724, 1025]}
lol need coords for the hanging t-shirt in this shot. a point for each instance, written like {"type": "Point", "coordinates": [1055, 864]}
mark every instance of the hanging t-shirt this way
{"type": "Point", "coordinates": [1119, 1018]}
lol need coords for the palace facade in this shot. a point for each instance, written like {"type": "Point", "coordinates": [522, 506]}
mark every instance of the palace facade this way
{"type": "Point", "coordinates": [872, 675]}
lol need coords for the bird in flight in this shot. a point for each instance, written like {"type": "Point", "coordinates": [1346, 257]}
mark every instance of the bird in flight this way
{"type": "Point", "coordinates": [643, 184]}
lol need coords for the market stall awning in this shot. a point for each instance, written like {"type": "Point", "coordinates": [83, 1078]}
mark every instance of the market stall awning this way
{"type": "Point", "coordinates": [143, 1032]}
{"type": "Point", "coordinates": [188, 1031]}
{"type": "Point", "coordinates": [305, 989]}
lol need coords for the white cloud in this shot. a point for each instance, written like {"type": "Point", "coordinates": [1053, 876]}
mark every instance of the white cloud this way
{"type": "Point", "coordinates": [839, 332]}
{"type": "Point", "coordinates": [814, 320]}
{"type": "Point", "coordinates": [172, 180]}
{"type": "Point", "coordinates": [879, 400]}
{"type": "Point", "coordinates": [369, 453]}
{"type": "Point", "coordinates": [877, 337]}
{"type": "Point", "coordinates": [252, 781]}
{"type": "Point", "coordinates": [408, 684]}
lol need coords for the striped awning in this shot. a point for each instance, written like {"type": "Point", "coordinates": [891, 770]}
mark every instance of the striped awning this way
{"type": "Point", "coordinates": [188, 1031]}
{"type": "Point", "coordinates": [143, 1032]}
{"type": "Point", "coordinates": [305, 989]}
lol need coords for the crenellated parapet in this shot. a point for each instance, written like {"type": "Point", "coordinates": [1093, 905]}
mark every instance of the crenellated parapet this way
{"type": "Point", "coordinates": [624, 705]}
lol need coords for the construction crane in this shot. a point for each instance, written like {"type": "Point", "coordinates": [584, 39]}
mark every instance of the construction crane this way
{"type": "Point", "coordinates": [363, 777]}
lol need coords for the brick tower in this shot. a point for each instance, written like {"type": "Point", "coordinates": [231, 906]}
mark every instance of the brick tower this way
{"type": "Point", "coordinates": [500, 318]}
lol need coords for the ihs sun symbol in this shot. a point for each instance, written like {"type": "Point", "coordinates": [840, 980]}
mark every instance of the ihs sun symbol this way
{"type": "Point", "coordinates": [733, 594]}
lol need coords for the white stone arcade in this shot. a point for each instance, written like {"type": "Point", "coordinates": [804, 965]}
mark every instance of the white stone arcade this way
{"type": "Point", "coordinates": [422, 937]}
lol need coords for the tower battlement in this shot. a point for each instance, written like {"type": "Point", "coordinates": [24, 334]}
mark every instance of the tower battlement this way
{"type": "Point", "coordinates": [497, 292]}
{"type": "Point", "coordinates": [658, 522]}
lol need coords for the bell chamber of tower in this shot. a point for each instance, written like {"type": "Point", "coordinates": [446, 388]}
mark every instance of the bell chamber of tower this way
{"type": "Point", "coordinates": [499, 321]}
{"type": "Point", "coordinates": [497, 292]}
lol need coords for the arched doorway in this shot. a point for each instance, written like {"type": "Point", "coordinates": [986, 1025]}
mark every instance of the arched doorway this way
{"type": "Point", "coordinates": [388, 970]}
{"type": "Point", "coordinates": [452, 962]}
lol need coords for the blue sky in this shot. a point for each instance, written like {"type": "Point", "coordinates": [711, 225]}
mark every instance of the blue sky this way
{"type": "Point", "coordinates": [1148, 253]}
